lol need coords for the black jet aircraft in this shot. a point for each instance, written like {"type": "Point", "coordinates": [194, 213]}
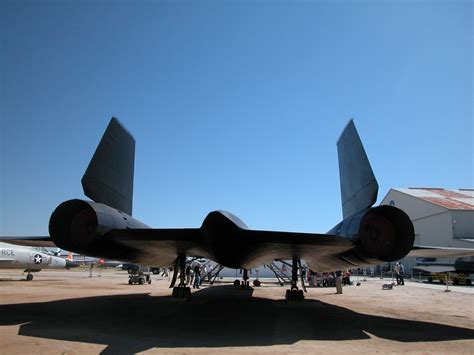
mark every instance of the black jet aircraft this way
{"type": "Point", "coordinates": [105, 228]}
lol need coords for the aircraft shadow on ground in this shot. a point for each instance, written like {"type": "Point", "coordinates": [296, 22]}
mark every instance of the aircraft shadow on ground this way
{"type": "Point", "coordinates": [219, 316]}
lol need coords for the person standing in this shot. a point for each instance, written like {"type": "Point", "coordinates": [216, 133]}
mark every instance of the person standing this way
{"type": "Point", "coordinates": [401, 274]}
{"type": "Point", "coordinates": [338, 283]}
{"type": "Point", "coordinates": [397, 272]}
{"type": "Point", "coordinates": [197, 276]}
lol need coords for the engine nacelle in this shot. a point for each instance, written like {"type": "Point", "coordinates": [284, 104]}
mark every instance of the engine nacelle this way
{"type": "Point", "coordinates": [77, 225]}
{"type": "Point", "coordinates": [384, 233]}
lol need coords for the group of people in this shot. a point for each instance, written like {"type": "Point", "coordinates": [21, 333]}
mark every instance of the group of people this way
{"type": "Point", "coordinates": [328, 278]}
{"type": "Point", "coordinates": [195, 275]}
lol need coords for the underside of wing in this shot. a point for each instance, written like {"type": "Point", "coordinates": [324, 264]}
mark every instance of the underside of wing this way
{"type": "Point", "coordinates": [322, 252]}
{"type": "Point", "coordinates": [156, 247]}
{"type": "Point", "coordinates": [240, 248]}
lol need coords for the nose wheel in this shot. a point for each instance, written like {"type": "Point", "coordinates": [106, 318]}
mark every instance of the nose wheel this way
{"type": "Point", "coordinates": [244, 284]}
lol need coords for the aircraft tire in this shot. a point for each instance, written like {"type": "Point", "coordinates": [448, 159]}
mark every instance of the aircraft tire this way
{"type": "Point", "coordinates": [256, 283]}
{"type": "Point", "coordinates": [287, 295]}
{"type": "Point", "coordinates": [141, 281]}
{"type": "Point", "coordinates": [245, 285]}
{"type": "Point", "coordinates": [29, 277]}
{"type": "Point", "coordinates": [300, 295]}
{"type": "Point", "coordinates": [237, 283]}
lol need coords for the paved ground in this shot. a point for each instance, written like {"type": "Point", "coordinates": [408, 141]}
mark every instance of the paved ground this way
{"type": "Point", "coordinates": [66, 312]}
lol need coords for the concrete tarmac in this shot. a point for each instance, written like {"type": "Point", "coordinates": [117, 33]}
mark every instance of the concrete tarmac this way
{"type": "Point", "coordinates": [68, 312]}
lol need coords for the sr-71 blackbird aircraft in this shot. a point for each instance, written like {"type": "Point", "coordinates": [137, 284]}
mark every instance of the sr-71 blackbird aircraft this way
{"type": "Point", "coordinates": [105, 227]}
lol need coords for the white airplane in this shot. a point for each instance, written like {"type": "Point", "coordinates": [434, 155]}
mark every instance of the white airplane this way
{"type": "Point", "coordinates": [29, 259]}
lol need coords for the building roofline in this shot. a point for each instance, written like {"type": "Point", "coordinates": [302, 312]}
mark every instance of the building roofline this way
{"type": "Point", "coordinates": [429, 200]}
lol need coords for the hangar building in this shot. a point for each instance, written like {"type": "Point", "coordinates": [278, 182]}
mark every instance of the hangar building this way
{"type": "Point", "coordinates": [441, 217]}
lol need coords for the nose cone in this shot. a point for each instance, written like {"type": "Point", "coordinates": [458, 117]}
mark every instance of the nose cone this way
{"type": "Point", "coordinates": [70, 264]}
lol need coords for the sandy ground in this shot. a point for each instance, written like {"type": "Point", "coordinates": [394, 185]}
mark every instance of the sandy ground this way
{"type": "Point", "coordinates": [67, 312]}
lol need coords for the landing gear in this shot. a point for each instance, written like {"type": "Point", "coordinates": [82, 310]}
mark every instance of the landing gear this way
{"type": "Point", "coordinates": [294, 294]}
{"type": "Point", "coordinates": [256, 282]}
{"type": "Point", "coordinates": [245, 285]}
{"type": "Point", "coordinates": [180, 292]}
{"type": "Point", "coordinates": [29, 277]}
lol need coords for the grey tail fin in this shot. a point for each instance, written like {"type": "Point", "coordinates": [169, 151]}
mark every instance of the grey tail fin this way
{"type": "Point", "coordinates": [359, 187]}
{"type": "Point", "coordinates": [109, 176]}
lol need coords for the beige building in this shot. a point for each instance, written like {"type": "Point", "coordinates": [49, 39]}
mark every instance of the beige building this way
{"type": "Point", "coordinates": [441, 217]}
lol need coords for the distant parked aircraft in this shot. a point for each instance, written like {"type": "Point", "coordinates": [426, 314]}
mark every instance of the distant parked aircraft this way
{"type": "Point", "coordinates": [465, 264]}
{"type": "Point", "coordinates": [29, 259]}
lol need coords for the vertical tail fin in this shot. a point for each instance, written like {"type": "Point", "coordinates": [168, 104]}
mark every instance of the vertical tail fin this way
{"type": "Point", "coordinates": [109, 176]}
{"type": "Point", "coordinates": [359, 187]}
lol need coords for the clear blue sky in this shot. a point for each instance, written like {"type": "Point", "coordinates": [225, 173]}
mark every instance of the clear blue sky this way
{"type": "Point", "coordinates": [234, 105]}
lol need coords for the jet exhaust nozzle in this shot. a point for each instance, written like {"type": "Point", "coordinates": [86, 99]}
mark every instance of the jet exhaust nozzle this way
{"type": "Point", "coordinates": [386, 233]}
{"type": "Point", "coordinates": [79, 226]}
{"type": "Point", "coordinates": [73, 226]}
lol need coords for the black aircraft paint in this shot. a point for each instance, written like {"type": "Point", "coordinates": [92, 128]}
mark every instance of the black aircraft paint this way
{"type": "Point", "coordinates": [105, 227]}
